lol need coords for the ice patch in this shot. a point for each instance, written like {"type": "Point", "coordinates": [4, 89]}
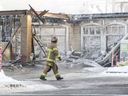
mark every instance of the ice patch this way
{"type": "Point", "coordinates": [36, 87]}
{"type": "Point", "coordinates": [93, 69]}
{"type": "Point", "coordinates": [72, 76]}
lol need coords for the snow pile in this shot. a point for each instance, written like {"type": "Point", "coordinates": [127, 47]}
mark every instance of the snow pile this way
{"type": "Point", "coordinates": [92, 70]}
{"type": "Point", "coordinates": [123, 69]}
{"type": "Point", "coordinates": [75, 58]}
{"type": "Point", "coordinates": [4, 78]}
{"type": "Point", "coordinates": [24, 87]}
{"type": "Point", "coordinates": [84, 73]}
{"type": "Point", "coordinates": [113, 71]}
{"type": "Point", "coordinates": [116, 71]}
{"type": "Point", "coordinates": [86, 62]}
{"type": "Point", "coordinates": [7, 84]}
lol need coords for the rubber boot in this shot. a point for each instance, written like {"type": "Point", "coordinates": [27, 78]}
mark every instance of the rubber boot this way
{"type": "Point", "coordinates": [43, 78]}
{"type": "Point", "coordinates": [59, 78]}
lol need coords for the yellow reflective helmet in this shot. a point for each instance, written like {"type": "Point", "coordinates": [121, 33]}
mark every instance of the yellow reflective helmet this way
{"type": "Point", "coordinates": [54, 39]}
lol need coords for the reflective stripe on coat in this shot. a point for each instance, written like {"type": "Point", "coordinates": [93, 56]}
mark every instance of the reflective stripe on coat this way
{"type": "Point", "coordinates": [52, 52]}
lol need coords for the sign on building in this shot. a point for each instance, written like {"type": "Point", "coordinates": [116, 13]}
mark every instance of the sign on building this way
{"type": "Point", "coordinates": [124, 50]}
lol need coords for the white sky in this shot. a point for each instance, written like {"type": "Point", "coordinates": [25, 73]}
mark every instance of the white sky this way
{"type": "Point", "coordinates": [62, 6]}
{"type": "Point", "coordinates": [54, 6]}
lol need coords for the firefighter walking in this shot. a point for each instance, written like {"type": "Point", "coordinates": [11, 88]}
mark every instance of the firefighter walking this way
{"type": "Point", "coordinates": [52, 53]}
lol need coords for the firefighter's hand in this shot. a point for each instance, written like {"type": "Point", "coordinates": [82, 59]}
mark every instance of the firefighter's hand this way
{"type": "Point", "coordinates": [60, 58]}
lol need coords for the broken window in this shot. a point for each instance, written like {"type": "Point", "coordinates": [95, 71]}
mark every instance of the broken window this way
{"type": "Point", "coordinates": [91, 31]}
{"type": "Point", "coordinates": [91, 41]}
{"type": "Point", "coordinates": [47, 33]}
{"type": "Point", "coordinates": [109, 30]}
{"type": "Point", "coordinates": [97, 30]}
{"type": "Point", "coordinates": [113, 35]}
{"type": "Point", "coordinates": [121, 30]}
{"type": "Point", "coordinates": [61, 35]}
{"type": "Point", "coordinates": [85, 30]}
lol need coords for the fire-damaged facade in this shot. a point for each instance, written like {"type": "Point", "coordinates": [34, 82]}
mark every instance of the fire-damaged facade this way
{"type": "Point", "coordinates": [99, 34]}
{"type": "Point", "coordinates": [92, 36]}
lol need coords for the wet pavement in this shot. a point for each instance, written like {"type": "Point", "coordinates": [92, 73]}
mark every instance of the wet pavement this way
{"type": "Point", "coordinates": [76, 82]}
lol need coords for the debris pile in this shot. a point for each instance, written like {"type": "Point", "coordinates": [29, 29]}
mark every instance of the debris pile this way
{"type": "Point", "coordinates": [71, 60]}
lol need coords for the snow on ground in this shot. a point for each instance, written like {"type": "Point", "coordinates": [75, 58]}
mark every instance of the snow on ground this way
{"type": "Point", "coordinates": [90, 72]}
{"type": "Point", "coordinates": [7, 84]}
{"type": "Point", "coordinates": [113, 71]}
{"type": "Point", "coordinates": [4, 78]}
{"type": "Point", "coordinates": [116, 71]}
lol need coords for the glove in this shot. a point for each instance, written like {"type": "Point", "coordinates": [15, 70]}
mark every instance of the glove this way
{"type": "Point", "coordinates": [60, 58]}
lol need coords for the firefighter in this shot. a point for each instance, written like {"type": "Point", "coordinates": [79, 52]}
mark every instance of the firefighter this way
{"type": "Point", "coordinates": [52, 53]}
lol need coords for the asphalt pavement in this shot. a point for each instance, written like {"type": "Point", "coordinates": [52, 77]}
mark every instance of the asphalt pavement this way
{"type": "Point", "coordinates": [72, 85]}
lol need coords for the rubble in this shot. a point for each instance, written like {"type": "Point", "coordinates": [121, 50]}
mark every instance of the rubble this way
{"type": "Point", "coordinates": [71, 60]}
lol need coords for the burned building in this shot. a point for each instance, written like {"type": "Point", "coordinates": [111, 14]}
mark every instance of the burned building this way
{"type": "Point", "coordinates": [93, 36]}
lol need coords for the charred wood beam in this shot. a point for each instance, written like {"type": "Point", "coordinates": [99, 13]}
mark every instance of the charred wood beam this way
{"type": "Point", "coordinates": [85, 17]}
{"type": "Point", "coordinates": [49, 20]}
{"type": "Point", "coordinates": [53, 20]}
{"type": "Point", "coordinates": [42, 13]}
{"type": "Point", "coordinates": [39, 13]}
{"type": "Point", "coordinates": [53, 15]}
{"type": "Point", "coordinates": [10, 40]}
{"type": "Point", "coordinates": [7, 29]}
{"type": "Point", "coordinates": [36, 14]}
{"type": "Point", "coordinates": [14, 12]}
{"type": "Point", "coordinates": [38, 40]}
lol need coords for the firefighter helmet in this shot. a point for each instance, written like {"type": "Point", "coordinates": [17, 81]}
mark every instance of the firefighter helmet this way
{"type": "Point", "coordinates": [54, 39]}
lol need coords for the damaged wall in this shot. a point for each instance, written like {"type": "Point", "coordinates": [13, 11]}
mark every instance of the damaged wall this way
{"type": "Point", "coordinates": [46, 32]}
{"type": "Point", "coordinates": [118, 30]}
{"type": "Point", "coordinates": [94, 37]}
{"type": "Point", "coordinates": [98, 43]}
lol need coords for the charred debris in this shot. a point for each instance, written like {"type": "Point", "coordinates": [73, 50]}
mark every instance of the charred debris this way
{"type": "Point", "coordinates": [10, 22]}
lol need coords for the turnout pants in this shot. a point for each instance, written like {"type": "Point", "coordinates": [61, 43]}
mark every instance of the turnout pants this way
{"type": "Point", "coordinates": [49, 66]}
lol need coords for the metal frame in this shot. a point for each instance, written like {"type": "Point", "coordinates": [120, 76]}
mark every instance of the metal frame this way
{"type": "Point", "coordinates": [92, 36]}
{"type": "Point", "coordinates": [85, 17]}
{"type": "Point", "coordinates": [119, 24]}
{"type": "Point", "coordinates": [89, 24]}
